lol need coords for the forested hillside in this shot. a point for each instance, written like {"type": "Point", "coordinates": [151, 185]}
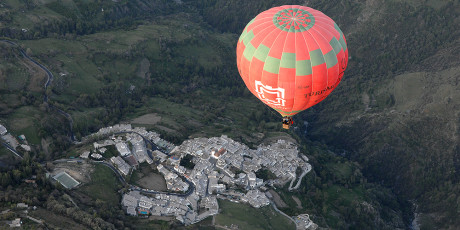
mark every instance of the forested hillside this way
{"type": "Point", "coordinates": [392, 122]}
{"type": "Point", "coordinates": [397, 109]}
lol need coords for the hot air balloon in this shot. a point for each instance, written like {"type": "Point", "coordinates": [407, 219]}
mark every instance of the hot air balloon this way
{"type": "Point", "coordinates": [291, 58]}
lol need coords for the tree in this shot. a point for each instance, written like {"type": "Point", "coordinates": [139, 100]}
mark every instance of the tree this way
{"type": "Point", "coordinates": [6, 180]}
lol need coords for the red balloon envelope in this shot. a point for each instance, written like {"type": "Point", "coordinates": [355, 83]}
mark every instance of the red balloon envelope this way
{"type": "Point", "coordinates": [291, 57]}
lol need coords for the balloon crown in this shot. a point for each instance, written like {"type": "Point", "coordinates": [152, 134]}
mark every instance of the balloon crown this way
{"type": "Point", "coordinates": [293, 20]}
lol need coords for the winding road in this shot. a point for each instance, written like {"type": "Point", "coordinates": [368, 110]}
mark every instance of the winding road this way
{"type": "Point", "coordinates": [282, 213]}
{"type": "Point", "coordinates": [47, 84]}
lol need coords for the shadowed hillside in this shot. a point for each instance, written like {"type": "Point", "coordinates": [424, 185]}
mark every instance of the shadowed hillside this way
{"type": "Point", "coordinates": [395, 116]}
{"type": "Point", "coordinates": [397, 110]}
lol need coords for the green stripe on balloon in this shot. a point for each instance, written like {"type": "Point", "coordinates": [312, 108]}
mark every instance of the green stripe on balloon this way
{"type": "Point", "coordinates": [288, 113]}
{"type": "Point", "coordinates": [335, 45]}
{"type": "Point", "coordinates": [248, 52]}
{"type": "Point", "coordinates": [331, 59]}
{"type": "Point", "coordinates": [316, 57]}
{"type": "Point", "coordinates": [338, 29]}
{"type": "Point", "coordinates": [262, 52]}
{"type": "Point", "coordinates": [249, 36]}
{"type": "Point", "coordinates": [303, 68]}
{"type": "Point", "coordinates": [243, 35]}
{"type": "Point", "coordinates": [287, 60]}
{"type": "Point", "coordinates": [343, 43]}
{"type": "Point", "coordinates": [341, 40]}
{"type": "Point", "coordinates": [281, 111]}
{"type": "Point", "coordinates": [272, 65]}
{"type": "Point", "coordinates": [250, 22]}
{"type": "Point", "coordinates": [245, 32]}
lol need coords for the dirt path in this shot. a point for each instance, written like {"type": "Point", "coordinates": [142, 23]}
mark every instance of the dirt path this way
{"type": "Point", "coordinates": [297, 200]}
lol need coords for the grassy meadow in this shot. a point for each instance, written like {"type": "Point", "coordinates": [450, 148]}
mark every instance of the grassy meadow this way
{"type": "Point", "coordinates": [103, 186]}
{"type": "Point", "coordinates": [247, 217]}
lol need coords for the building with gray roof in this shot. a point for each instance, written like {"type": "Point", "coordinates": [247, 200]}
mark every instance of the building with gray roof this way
{"type": "Point", "coordinates": [123, 149]}
{"type": "Point", "coordinates": [129, 201]}
{"type": "Point", "coordinates": [3, 130]}
{"type": "Point", "coordinates": [122, 166]}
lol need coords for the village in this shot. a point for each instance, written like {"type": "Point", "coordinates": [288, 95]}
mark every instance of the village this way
{"type": "Point", "coordinates": [217, 168]}
{"type": "Point", "coordinates": [215, 160]}
{"type": "Point", "coordinates": [223, 169]}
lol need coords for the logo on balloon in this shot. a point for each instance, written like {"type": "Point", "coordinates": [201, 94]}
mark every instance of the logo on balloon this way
{"type": "Point", "coordinates": [272, 96]}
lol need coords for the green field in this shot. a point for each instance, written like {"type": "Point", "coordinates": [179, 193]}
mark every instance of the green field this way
{"type": "Point", "coordinates": [25, 120]}
{"type": "Point", "coordinates": [18, 80]}
{"type": "Point", "coordinates": [55, 220]}
{"type": "Point", "coordinates": [103, 186]}
{"type": "Point", "coordinates": [247, 217]}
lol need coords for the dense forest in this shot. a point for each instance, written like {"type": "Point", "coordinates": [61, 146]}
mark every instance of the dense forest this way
{"type": "Point", "coordinates": [383, 139]}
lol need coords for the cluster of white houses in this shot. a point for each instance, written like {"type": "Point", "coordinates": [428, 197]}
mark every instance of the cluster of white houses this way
{"type": "Point", "coordinates": [130, 146]}
{"type": "Point", "coordinates": [223, 154]}
{"type": "Point", "coordinates": [221, 168]}
{"type": "Point", "coordinates": [187, 210]}
{"type": "Point", "coordinates": [173, 181]}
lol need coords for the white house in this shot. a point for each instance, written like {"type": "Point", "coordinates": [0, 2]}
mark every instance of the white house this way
{"type": "Point", "coordinates": [3, 130]}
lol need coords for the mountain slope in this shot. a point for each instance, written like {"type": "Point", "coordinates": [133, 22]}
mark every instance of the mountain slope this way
{"type": "Point", "coordinates": [397, 110]}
